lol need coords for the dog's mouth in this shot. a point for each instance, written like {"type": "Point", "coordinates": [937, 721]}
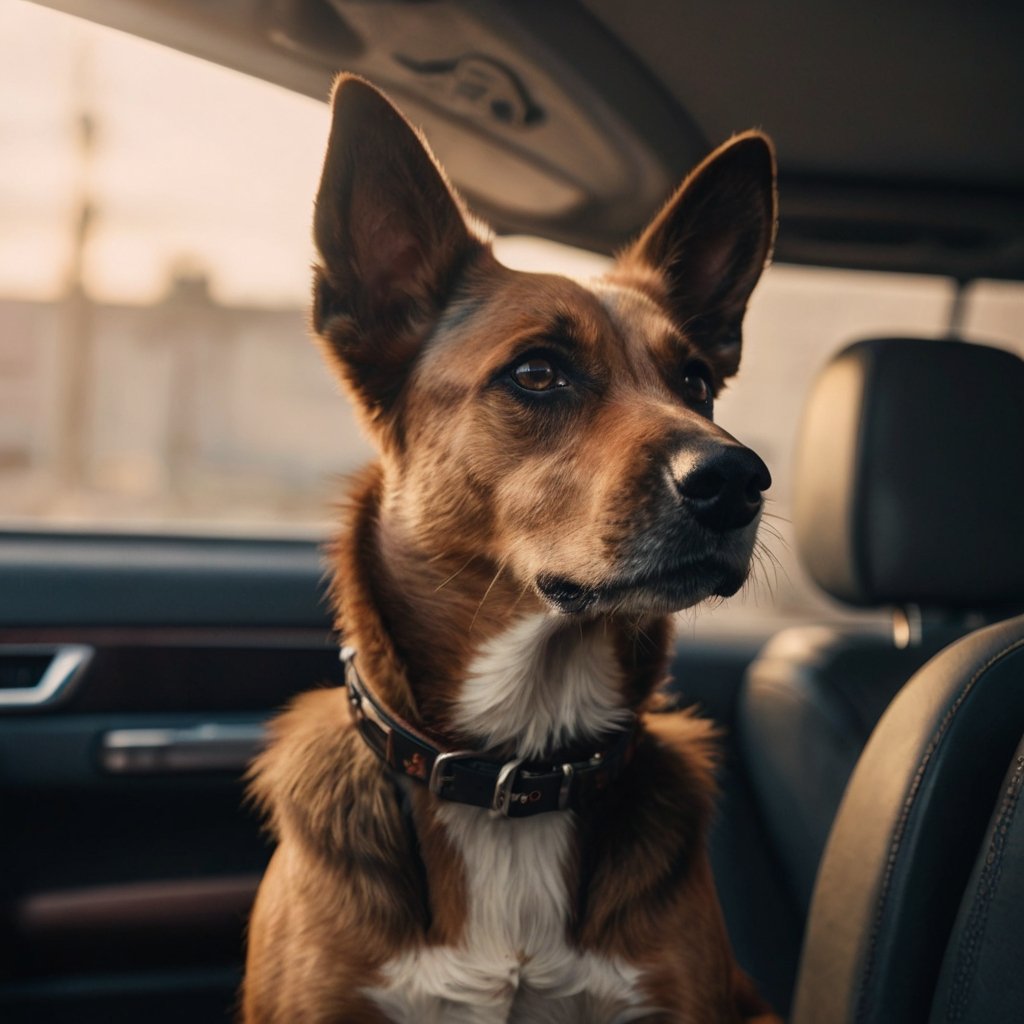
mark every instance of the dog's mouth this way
{"type": "Point", "coordinates": [666, 589]}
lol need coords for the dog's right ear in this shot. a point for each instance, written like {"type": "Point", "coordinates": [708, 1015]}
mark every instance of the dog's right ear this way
{"type": "Point", "coordinates": [392, 238]}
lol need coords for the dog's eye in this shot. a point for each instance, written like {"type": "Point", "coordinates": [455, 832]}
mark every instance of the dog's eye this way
{"type": "Point", "coordinates": [696, 386]}
{"type": "Point", "coordinates": [538, 375]}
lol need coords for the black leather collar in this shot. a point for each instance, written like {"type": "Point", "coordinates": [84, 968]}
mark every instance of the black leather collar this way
{"type": "Point", "coordinates": [515, 789]}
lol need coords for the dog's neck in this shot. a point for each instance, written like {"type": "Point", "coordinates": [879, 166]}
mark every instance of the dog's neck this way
{"type": "Point", "coordinates": [456, 647]}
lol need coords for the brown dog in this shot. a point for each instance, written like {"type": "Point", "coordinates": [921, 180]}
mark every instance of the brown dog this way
{"type": "Point", "coordinates": [490, 824]}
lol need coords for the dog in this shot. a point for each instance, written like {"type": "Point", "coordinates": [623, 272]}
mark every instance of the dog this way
{"type": "Point", "coordinates": [493, 821]}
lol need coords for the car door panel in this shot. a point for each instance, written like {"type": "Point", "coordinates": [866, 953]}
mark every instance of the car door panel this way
{"type": "Point", "coordinates": [129, 857]}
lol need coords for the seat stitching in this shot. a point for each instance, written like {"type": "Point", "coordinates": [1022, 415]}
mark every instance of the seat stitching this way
{"type": "Point", "coordinates": [895, 846]}
{"type": "Point", "coordinates": [988, 882]}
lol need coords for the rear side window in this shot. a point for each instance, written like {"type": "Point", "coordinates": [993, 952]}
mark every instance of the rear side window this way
{"type": "Point", "coordinates": [156, 369]}
{"type": "Point", "coordinates": [154, 270]}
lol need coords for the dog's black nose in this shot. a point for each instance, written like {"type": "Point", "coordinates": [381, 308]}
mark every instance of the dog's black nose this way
{"type": "Point", "coordinates": [723, 491]}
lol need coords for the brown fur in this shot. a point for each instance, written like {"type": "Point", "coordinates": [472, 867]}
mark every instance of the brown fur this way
{"type": "Point", "coordinates": [479, 496]}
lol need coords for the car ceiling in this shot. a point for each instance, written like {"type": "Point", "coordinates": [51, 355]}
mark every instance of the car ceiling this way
{"type": "Point", "coordinates": [897, 125]}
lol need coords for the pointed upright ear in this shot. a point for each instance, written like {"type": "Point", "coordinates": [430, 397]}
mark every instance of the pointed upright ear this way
{"type": "Point", "coordinates": [392, 238]}
{"type": "Point", "coordinates": [705, 251]}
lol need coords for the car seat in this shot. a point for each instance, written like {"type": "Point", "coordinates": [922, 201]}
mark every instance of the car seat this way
{"type": "Point", "coordinates": [915, 917]}
{"type": "Point", "coordinates": [909, 494]}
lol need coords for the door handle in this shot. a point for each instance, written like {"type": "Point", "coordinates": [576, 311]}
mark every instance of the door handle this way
{"type": "Point", "coordinates": [209, 747]}
{"type": "Point", "coordinates": [32, 675]}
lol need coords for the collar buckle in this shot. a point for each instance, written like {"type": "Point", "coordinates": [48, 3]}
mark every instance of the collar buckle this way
{"type": "Point", "coordinates": [501, 800]}
{"type": "Point", "coordinates": [438, 779]}
{"type": "Point", "coordinates": [565, 790]}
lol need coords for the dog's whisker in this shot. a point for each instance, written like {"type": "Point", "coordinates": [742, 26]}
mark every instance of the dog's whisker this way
{"type": "Point", "coordinates": [777, 563]}
{"type": "Point", "coordinates": [770, 585]}
{"type": "Point", "coordinates": [490, 587]}
{"type": "Point", "coordinates": [773, 531]}
{"type": "Point", "coordinates": [524, 589]}
{"type": "Point", "coordinates": [445, 583]}
{"type": "Point", "coordinates": [764, 558]}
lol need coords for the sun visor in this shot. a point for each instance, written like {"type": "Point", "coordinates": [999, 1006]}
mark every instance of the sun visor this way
{"type": "Point", "coordinates": [524, 104]}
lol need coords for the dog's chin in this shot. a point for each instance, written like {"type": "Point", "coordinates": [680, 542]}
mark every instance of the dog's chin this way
{"type": "Point", "coordinates": [655, 592]}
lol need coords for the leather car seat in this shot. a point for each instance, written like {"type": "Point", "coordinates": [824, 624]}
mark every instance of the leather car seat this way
{"type": "Point", "coordinates": [909, 494]}
{"type": "Point", "coordinates": [981, 979]}
{"type": "Point", "coordinates": [916, 910]}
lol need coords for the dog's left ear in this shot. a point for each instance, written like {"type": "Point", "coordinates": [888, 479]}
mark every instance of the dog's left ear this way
{"type": "Point", "coordinates": [709, 244]}
{"type": "Point", "coordinates": [392, 238]}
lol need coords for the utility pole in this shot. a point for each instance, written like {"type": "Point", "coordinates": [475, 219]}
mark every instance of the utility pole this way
{"type": "Point", "coordinates": [74, 408]}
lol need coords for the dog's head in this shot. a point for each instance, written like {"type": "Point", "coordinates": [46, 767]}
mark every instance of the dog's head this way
{"type": "Point", "coordinates": [562, 432]}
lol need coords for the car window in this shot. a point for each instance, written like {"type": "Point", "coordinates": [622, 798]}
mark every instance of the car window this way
{"type": "Point", "coordinates": [155, 365]}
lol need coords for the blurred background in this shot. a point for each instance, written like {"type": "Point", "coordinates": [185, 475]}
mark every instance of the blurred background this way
{"type": "Point", "coordinates": [156, 372]}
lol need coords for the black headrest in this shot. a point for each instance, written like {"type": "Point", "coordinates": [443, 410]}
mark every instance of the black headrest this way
{"type": "Point", "coordinates": [910, 475]}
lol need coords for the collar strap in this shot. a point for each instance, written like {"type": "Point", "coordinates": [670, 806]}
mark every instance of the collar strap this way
{"type": "Point", "coordinates": [515, 789]}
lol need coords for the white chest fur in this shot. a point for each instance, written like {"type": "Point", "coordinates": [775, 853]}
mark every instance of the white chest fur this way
{"type": "Point", "coordinates": [542, 684]}
{"type": "Point", "coordinates": [514, 961]}
{"type": "Point", "coordinates": [534, 687]}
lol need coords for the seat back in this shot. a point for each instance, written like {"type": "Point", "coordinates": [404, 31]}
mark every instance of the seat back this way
{"type": "Point", "coordinates": [981, 978]}
{"type": "Point", "coordinates": [807, 708]}
{"type": "Point", "coordinates": [908, 833]}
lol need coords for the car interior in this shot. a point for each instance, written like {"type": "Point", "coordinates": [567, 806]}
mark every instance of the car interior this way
{"type": "Point", "coordinates": [868, 850]}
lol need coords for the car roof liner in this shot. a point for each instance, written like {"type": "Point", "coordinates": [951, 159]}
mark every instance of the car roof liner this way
{"type": "Point", "coordinates": [574, 121]}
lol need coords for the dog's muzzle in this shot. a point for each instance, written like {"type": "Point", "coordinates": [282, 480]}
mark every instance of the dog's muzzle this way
{"type": "Point", "coordinates": [696, 543]}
